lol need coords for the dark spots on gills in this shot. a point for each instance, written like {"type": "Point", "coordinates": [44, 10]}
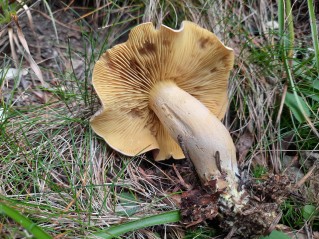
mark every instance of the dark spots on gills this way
{"type": "Point", "coordinates": [166, 42]}
{"type": "Point", "coordinates": [135, 113]}
{"type": "Point", "coordinates": [205, 42]}
{"type": "Point", "coordinates": [213, 70]}
{"type": "Point", "coordinates": [147, 48]}
{"type": "Point", "coordinates": [133, 64]}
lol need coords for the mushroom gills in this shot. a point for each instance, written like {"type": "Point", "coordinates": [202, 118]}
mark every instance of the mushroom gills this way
{"type": "Point", "coordinates": [202, 136]}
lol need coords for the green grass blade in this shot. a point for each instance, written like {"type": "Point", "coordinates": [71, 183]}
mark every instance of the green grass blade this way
{"type": "Point", "coordinates": [291, 32]}
{"type": "Point", "coordinates": [291, 102]}
{"type": "Point", "coordinates": [53, 21]}
{"type": "Point", "coordinates": [314, 31]}
{"type": "Point", "coordinates": [24, 221]}
{"type": "Point", "coordinates": [118, 230]}
{"type": "Point", "coordinates": [281, 20]}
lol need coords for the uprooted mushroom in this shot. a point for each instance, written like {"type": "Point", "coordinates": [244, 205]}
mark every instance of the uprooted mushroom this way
{"type": "Point", "coordinates": [165, 90]}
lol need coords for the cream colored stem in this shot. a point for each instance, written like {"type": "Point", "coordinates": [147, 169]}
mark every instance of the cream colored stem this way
{"type": "Point", "coordinates": [202, 135]}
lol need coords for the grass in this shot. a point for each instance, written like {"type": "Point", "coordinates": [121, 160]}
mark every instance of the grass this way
{"type": "Point", "coordinates": [58, 174]}
{"type": "Point", "coordinates": [24, 221]}
{"type": "Point", "coordinates": [118, 230]}
{"type": "Point", "coordinates": [7, 10]}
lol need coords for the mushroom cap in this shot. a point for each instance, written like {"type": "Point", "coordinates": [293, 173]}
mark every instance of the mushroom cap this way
{"type": "Point", "coordinates": [191, 57]}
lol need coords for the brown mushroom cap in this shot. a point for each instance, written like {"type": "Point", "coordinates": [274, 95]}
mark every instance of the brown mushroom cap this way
{"type": "Point", "coordinates": [192, 57]}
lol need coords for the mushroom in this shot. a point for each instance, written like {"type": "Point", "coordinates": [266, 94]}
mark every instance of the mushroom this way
{"type": "Point", "coordinates": [166, 90]}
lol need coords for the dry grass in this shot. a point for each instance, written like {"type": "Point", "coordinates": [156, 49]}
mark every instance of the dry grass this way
{"type": "Point", "coordinates": [54, 169]}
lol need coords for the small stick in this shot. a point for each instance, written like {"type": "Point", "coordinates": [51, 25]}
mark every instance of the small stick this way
{"type": "Point", "coordinates": [304, 178]}
{"type": "Point", "coordinates": [308, 231]}
{"type": "Point", "coordinates": [274, 223]}
{"type": "Point", "coordinates": [183, 183]}
{"type": "Point", "coordinates": [231, 233]}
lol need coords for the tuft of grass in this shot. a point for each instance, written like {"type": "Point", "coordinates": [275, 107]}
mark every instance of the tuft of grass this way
{"type": "Point", "coordinates": [259, 171]}
{"type": "Point", "coordinates": [7, 10]}
{"type": "Point", "coordinates": [292, 214]}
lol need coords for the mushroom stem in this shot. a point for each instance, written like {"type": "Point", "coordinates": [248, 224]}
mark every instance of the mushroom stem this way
{"type": "Point", "coordinates": [202, 136]}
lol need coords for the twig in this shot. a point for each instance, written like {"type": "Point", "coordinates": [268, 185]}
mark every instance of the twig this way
{"type": "Point", "coordinates": [75, 28]}
{"type": "Point", "coordinates": [282, 102]}
{"type": "Point", "coordinates": [274, 223]}
{"type": "Point", "coordinates": [231, 233]}
{"type": "Point", "coordinates": [304, 178]}
{"type": "Point", "coordinates": [308, 231]}
{"type": "Point", "coordinates": [182, 182]}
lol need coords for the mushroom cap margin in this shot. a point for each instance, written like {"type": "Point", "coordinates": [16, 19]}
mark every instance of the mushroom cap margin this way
{"type": "Point", "coordinates": [191, 57]}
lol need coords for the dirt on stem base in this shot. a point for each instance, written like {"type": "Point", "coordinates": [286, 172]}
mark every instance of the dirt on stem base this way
{"type": "Point", "coordinates": [257, 213]}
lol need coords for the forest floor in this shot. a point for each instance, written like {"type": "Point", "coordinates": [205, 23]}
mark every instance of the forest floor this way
{"type": "Point", "coordinates": [56, 171]}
